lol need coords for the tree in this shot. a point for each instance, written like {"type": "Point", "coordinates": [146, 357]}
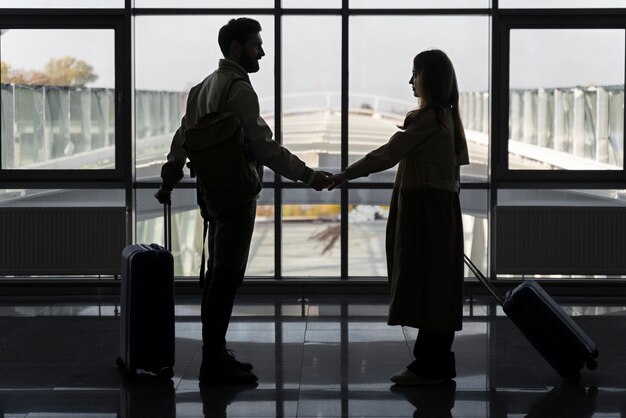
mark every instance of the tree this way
{"type": "Point", "coordinates": [4, 72]}
{"type": "Point", "coordinates": [66, 71]}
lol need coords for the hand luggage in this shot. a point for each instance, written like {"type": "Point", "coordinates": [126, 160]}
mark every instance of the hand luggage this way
{"type": "Point", "coordinates": [561, 342]}
{"type": "Point", "coordinates": [147, 304]}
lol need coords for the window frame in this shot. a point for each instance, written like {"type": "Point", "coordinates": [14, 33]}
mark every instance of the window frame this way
{"type": "Point", "coordinates": [543, 19]}
{"type": "Point", "coordinates": [80, 19]}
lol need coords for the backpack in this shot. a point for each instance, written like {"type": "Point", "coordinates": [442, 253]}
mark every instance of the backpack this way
{"type": "Point", "coordinates": [219, 159]}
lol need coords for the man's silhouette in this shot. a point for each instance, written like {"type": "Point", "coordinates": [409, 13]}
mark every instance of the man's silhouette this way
{"type": "Point", "coordinates": [230, 231]}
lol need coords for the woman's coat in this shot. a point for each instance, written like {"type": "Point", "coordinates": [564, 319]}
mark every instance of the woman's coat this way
{"type": "Point", "coordinates": [424, 239]}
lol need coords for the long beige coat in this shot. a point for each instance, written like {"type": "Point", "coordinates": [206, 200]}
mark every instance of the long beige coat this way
{"type": "Point", "coordinates": [424, 231]}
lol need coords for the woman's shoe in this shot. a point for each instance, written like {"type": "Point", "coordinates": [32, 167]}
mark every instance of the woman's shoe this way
{"type": "Point", "coordinates": [407, 378]}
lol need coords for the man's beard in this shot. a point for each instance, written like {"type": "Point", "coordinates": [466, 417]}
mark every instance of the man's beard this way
{"type": "Point", "coordinates": [249, 64]}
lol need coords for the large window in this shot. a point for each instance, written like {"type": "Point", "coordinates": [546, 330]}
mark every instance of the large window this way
{"type": "Point", "coordinates": [62, 108]}
{"type": "Point", "coordinates": [566, 113]}
{"type": "Point", "coordinates": [559, 142]}
{"type": "Point", "coordinates": [167, 66]}
{"type": "Point", "coordinates": [91, 97]}
{"type": "Point", "coordinates": [311, 76]}
{"type": "Point", "coordinates": [381, 62]}
{"type": "Point", "coordinates": [58, 99]}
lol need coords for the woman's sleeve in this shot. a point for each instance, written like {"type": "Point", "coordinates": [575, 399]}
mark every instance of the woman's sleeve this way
{"type": "Point", "coordinates": [399, 146]}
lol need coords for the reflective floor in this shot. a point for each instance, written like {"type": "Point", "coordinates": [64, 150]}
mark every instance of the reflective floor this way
{"type": "Point", "coordinates": [328, 356]}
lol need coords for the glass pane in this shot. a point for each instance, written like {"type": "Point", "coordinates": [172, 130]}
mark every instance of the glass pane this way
{"type": "Point", "coordinates": [311, 90]}
{"type": "Point", "coordinates": [566, 113]}
{"type": "Point", "coordinates": [422, 4]}
{"type": "Point", "coordinates": [62, 198]}
{"type": "Point", "coordinates": [564, 206]}
{"type": "Point", "coordinates": [187, 231]}
{"type": "Point", "coordinates": [367, 217]}
{"type": "Point", "coordinates": [544, 197]}
{"type": "Point", "coordinates": [311, 4]}
{"type": "Point", "coordinates": [367, 223]}
{"type": "Point", "coordinates": [161, 95]}
{"type": "Point", "coordinates": [57, 106]}
{"type": "Point", "coordinates": [218, 4]}
{"type": "Point", "coordinates": [61, 4]}
{"type": "Point", "coordinates": [380, 68]}
{"type": "Point", "coordinates": [311, 233]}
{"type": "Point", "coordinates": [560, 4]}
{"type": "Point", "coordinates": [261, 259]}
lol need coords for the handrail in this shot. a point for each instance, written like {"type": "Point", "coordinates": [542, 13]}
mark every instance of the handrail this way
{"type": "Point", "coordinates": [63, 127]}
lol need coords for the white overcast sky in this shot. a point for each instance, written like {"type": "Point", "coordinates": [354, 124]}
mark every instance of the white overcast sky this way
{"type": "Point", "coordinates": [174, 52]}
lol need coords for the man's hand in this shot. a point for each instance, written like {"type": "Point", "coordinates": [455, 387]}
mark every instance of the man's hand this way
{"type": "Point", "coordinates": [163, 196]}
{"type": "Point", "coordinates": [336, 180]}
{"type": "Point", "coordinates": [321, 181]}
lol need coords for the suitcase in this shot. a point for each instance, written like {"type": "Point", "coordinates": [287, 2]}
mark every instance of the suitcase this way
{"type": "Point", "coordinates": [561, 342]}
{"type": "Point", "coordinates": [147, 305]}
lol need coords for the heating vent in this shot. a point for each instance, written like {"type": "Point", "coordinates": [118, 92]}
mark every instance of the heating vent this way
{"type": "Point", "coordinates": [51, 241]}
{"type": "Point", "coordinates": [561, 240]}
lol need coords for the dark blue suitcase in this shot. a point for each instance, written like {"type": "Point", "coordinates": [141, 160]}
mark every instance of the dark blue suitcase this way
{"type": "Point", "coordinates": [561, 342]}
{"type": "Point", "coordinates": [147, 319]}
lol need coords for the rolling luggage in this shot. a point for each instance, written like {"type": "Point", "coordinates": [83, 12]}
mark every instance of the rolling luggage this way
{"type": "Point", "coordinates": [561, 342]}
{"type": "Point", "coordinates": [147, 304]}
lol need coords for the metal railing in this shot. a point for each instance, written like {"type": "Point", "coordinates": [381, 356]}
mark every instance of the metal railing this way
{"type": "Point", "coordinates": [62, 127]}
{"type": "Point", "coordinates": [570, 128]}
{"type": "Point", "coordinates": [47, 127]}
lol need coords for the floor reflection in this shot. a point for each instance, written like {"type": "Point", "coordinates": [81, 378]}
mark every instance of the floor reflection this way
{"type": "Point", "coordinates": [215, 400]}
{"type": "Point", "coordinates": [566, 400]}
{"type": "Point", "coordinates": [147, 396]}
{"type": "Point", "coordinates": [429, 401]}
{"type": "Point", "coordinates": [329, 357]}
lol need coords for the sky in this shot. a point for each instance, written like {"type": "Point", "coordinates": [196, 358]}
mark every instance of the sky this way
{"type": "Point", "coordinates": [175, 52]}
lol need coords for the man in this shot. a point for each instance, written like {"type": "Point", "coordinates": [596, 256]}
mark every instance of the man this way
{"type": "Point", "coordinates": [230, 231]}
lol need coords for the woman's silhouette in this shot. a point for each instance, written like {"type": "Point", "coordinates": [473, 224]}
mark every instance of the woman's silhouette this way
{"type": "Point", "coordinates": [424, 231]}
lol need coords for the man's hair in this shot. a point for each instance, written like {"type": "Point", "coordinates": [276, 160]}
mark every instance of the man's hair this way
{"type": "Point", "coordinates": [238, 30]}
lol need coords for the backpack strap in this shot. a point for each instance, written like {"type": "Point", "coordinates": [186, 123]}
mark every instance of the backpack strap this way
{"type": "Point", "coordinates": [203, 262]}
{"type": "Point", "coordinates": [222, 103]}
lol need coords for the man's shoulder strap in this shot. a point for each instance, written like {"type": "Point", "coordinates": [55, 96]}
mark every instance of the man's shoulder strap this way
{"type": "Point", "coordinates": [226, 94]}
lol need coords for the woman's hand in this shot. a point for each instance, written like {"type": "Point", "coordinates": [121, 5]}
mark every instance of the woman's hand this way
{"type": "Point", "coordinates": [337, 179]}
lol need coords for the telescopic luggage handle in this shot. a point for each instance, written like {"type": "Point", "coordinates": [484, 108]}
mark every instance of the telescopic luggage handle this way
{"type": "Point", "coordinates": [167, 223]}
{"type": "Point", "coordinates": [484, 280]}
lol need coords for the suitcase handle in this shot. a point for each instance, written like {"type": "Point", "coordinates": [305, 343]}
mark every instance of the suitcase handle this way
{"type": "Point", "coordinates": [167, 223]}
{"type": "Point", "coordinates": [484, 280]}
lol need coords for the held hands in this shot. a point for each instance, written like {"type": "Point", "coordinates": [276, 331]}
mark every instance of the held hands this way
{"type": "Point", "coordinates": [325, 180]}
{"type": "Point", "coordinates": [321, 180]}
{"type": "Point", "coordinates": [337, 180]}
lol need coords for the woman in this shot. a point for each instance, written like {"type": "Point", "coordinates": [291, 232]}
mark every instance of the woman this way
{"type": "Point", "coordinates": [424, 231]}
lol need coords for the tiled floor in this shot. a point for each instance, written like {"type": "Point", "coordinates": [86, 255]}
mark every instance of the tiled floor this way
{"type": "Point", "coordinates": [327, 357]}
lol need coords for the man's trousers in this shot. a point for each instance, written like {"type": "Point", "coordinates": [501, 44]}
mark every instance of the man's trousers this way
{"type": "Point", "coordinates": [230, 234]}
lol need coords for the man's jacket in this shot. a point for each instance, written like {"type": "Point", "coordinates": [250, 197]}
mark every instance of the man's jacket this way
{"type": "Point", "coordinates": [243, 101]}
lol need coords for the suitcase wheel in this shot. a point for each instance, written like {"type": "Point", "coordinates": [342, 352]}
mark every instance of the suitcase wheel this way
{"type": "Point", "coordinates": [592, 364]}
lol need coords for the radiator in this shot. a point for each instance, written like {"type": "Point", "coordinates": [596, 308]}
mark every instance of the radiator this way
{"type": "Point", "coordinates": [61, 240]}
{"type": "Point", "coordinates": [561, 240]}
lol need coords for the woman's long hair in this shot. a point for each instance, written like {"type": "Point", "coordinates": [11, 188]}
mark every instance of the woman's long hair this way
{"type": "Point", "coordinates": [438, 90]}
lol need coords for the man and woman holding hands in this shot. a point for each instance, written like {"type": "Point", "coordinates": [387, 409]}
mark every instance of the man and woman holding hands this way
{"type": "Point", "coordinates": [424, 238]}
